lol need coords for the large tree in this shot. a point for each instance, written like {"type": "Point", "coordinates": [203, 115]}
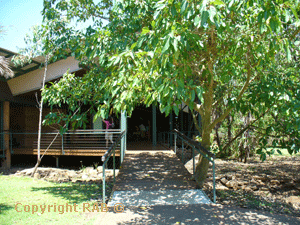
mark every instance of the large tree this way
{"type": "Point", "coordinates": [203, 53]}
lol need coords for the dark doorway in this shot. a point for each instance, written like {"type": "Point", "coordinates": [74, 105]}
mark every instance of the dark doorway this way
{"type": "Point", "coordinates": [140, 127]}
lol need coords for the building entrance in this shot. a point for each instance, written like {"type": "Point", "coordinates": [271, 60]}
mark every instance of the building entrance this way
{"type": "Point", "coordinates": [144, 125]}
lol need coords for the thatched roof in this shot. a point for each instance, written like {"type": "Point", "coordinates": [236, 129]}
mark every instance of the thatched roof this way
{"type": "Point", "coordinates": [5, 70]}
{"type": "Point", "coordinates": [7, 55]}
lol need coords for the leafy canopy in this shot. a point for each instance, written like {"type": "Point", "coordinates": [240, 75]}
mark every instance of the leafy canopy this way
{"type": "Point", "coordinates": [203, 53]}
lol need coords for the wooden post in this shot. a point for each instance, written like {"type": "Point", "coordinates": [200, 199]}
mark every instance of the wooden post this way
{"type": "Point", "coordinates": [7, 161]}
{"type": "Point", "coordinates": [171, 128]}
{"type": "Point", "coordinates": [154, 140]}
{"type": "Point", "coordinates": [181, 119]}
{"type": "Point", "coordinates": [57, 161]}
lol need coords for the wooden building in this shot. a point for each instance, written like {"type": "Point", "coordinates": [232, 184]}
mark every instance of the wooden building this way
{"type": "Point", "coordinates": [19, 117]}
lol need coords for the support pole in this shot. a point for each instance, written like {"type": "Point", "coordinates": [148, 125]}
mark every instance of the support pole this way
{"type": "Point", "coordinates": [154, 131]}
{"type": "Point", "coordinates": [62, 145]}
{"type": "Point", "coordinates": [57, 162]}
{"type": "Point", "coordinates": [7, 161]}
{"type": "Point", "coordinates": [181, 120]}
{"type": "Point", "coordinates": [123, 140]}
{"type": "Point", "coordinates": [1, 132]}
{"type": "Point", "coordinates": [194, 161]}
{"type": "Point", "coordinates": [188, 124]}
{"type": "Point", "coordinates": [199, 123]}
{"type": "Point", "coordinates": [175, 144]}
{"type": "Point", "coordinates": [103, 182]}
{"type": "Point", "coordinates": [171, 128]}
{"type": "Point", "coordinates": [214, 181]}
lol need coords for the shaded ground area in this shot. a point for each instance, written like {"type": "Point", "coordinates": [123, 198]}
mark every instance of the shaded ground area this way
{"type": "Point", "coordinates": [193, 214]}
{"type": "Point", "coordinates": [272, 186]}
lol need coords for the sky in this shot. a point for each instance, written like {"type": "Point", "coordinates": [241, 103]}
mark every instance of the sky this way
{"type": "Point", "coordinates": [17, 17]}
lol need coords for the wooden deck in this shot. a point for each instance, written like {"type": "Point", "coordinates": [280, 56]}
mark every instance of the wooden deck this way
{"type": "Point", "coordinates": [67, 152]}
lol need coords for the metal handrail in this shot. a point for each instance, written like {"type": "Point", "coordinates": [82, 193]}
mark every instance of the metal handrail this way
{"type": "Point", "coordinates": [201, 150]}
{"type": "Point", "coordinates": [193, 143]}
{"type": "Point", "coordinates": [105, 159]}
{"type": "Point", "coordinates": [108, 153]}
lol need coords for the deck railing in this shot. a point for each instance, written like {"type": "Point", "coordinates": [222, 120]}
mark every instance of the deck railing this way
{"type": "Point", "coordinates": [178, 141]}
{"type": "Point", "coordinates": [72, 140]}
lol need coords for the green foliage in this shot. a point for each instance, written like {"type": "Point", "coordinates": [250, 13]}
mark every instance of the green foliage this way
{"type": "Point", "coordinates": [206, 54]}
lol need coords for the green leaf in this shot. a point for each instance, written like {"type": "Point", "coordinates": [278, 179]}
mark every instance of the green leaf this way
{"type": "Point", "coordinates": [160, 5]}
{"type": "Point", "coordinates": [294, 12]}
{"type": "Point", "coordinates": [181, 84]}
{"type": "Point", "coordinates": [217, 2]}
{"type": "Point", "coordinates": [212, 13]}
{"type": "Point", "coordinates": [173, 10]}
{"type": "Point", "coordinates": [197, 21]}
{"type": "Point", "coordinates": [279, 152]}
{"type": "Point", "coordinates": [153, 24]}
{"type": "Point", "coordinates": [288, 51]}
{"type": "Point", "coordinates": [166, 46]}
{"type": "Point", "coordinates": [204, 18]}
{"type": "Point", "coordinates": [145, 30]}
{"type": "Point", "coordinates": [176, 109]}
{"type": "Point", "coordinates": [175, 44]}
{"type": "Point", "coordinates": [192, 95]}
{"type": "Point", "coordinates": [133, 45]}
{"type": "Point", "coordinates": [263, 156]}
{"type": "Point", "coordinates": [184, 5]}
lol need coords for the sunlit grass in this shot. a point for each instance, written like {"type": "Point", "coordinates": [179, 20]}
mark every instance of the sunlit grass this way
{"type": "Point", "coordinates": [46, 202]}
{"type": "Point", "coordinates": [284, 152]}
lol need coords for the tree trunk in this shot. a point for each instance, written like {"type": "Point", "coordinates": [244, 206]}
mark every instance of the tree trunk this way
{"type": "Point", "coordinates": [218, 136]}
{"type": "Point", "coordinates": [203, 164]}
{"type": "Point", "coordinates": [247, 137]}
{"type": "Point", "coordinates": [208, 97]}
{"type": "Point", "coordinates": [40, 119]}
{"type": "Point", "coordinates": [217, 129]}
{"type": "Point", "coordinates": [229, 134]}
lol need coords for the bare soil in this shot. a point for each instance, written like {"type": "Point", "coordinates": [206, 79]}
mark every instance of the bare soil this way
{"type": "Point", "coordinates": [272, 185]}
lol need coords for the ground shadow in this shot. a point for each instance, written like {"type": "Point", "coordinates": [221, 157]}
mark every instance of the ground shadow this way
{"type": "Point", "coordinates": [197, 214]}
{"type": "Point", "coordinates": [78, 192]}
{"type": "Point", "coordinates": [4, 207]}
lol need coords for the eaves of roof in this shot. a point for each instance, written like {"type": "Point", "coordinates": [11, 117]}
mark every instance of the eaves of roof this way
{"type": "Point", "coordinates": [18, 71]}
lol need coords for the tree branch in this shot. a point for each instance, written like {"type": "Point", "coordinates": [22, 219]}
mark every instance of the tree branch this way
{"type": "Point", "coordinates": [40, 157]}
{"type": "Point", "coordinates": [244, 129]}
{"type": "Point", "coordinates": [246, 85]}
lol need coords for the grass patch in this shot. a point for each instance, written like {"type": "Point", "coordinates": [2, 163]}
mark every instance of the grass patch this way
{"type": "Point", "coordinates": [285, 153]}
{"type": "Point", "coordinates": [43, 202]}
